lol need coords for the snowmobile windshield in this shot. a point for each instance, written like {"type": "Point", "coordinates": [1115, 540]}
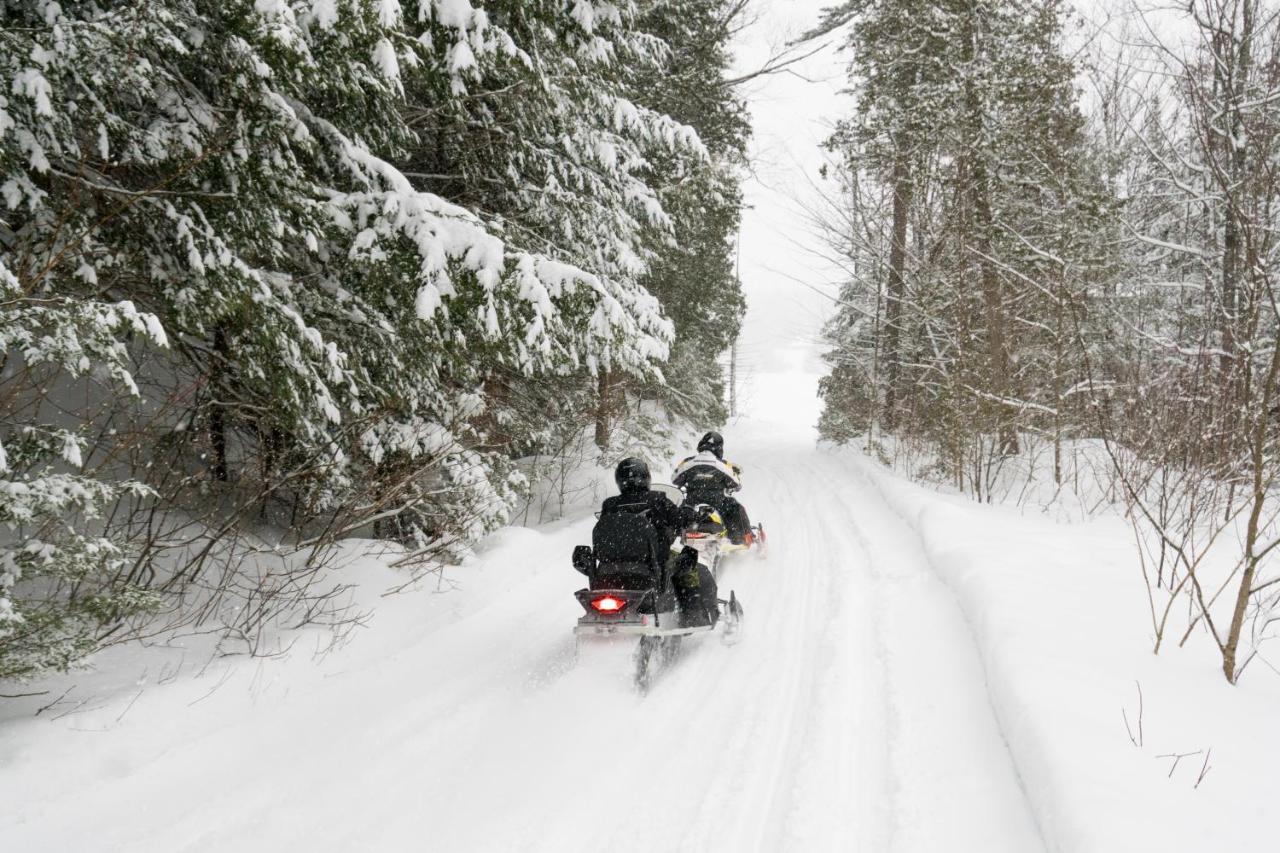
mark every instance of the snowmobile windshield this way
{"type": "Point", "coordinates": [673, 494]}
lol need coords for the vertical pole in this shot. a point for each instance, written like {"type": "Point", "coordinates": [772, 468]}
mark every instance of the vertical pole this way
{"type": "Point", "coordinates": [733, 379]}
{"type": "Point", "coordinates": [733, 347]}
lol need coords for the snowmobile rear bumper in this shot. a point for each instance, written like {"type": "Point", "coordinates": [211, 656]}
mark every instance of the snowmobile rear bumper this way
{"type": "Point", "coordinates": [634, 629]}
{"type": "Point", "coordinates": [628, 620]}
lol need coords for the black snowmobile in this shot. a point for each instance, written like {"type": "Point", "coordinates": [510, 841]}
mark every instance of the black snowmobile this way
{"type": "Point", "coordinates": [631, 593]}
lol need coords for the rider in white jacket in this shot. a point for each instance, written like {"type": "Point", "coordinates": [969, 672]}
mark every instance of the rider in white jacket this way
{"type": "Point", "coordinates": [708, 479]}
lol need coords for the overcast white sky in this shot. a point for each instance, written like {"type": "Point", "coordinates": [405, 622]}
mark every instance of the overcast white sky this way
{"type": "Point", "coordinates": [792, 114]}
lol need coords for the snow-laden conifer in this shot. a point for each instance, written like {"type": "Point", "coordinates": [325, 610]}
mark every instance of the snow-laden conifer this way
{"type": "Point", "coordinates": [282, 253]}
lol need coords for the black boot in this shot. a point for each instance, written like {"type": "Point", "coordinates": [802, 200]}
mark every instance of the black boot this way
{"type": "Point", "coordinates": [708, 597]}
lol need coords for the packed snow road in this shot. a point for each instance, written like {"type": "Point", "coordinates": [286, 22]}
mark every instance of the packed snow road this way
{"type": "Point", "coordinates": [852, 716]}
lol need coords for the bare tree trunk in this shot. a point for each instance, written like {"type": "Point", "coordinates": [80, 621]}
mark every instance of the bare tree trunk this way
{"type": "Point", "coordinates": [733, 379]}
{"type": "Point", "coordinates": [1262, 478]}
{"type": "Point", "coordinates": [1059, 371]}
{"type": "Point", "coordinates": [1234, 52]}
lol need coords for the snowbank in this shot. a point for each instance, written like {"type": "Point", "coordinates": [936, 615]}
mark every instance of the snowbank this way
{"type": "Point", "coordinates": [171, 747]}
{"type": "Point", "coordinates": [1058, 613]}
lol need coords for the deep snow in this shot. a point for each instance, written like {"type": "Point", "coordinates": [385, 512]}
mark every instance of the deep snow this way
{"type": "Point", "coordinates": [919, 673]}
{"type": "Point", "coordinates": [459, 722]}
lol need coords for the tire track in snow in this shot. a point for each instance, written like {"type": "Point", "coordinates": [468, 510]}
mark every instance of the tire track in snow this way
{"type": "Point", "coordinates": [748, 712]}
{"type": "Point", "coordinates": [911, 529]}
{"type": "Point", "coordinates": [815, 683]}
{"type": "Point", "coordinates": [956, 786]}
{"type": "Point", "coordinates": [770, 743]}
{"type": "Point", "coordinates": [838, 802]}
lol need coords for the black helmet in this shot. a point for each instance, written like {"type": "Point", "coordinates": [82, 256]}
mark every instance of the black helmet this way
{"type": "Point", "coordinates": [632, 475]}
{"type": "Point", "coordinates": [714, 442]}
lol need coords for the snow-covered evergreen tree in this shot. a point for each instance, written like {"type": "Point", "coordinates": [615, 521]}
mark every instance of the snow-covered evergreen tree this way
{"type": "Point", "coordinates": [296, 259]}
{"type": "Point", "coordinates": [694, 275]}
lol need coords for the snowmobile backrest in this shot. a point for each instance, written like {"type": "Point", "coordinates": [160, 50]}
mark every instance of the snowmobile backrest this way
{"type": "Point", "coordinates": [625, 538]}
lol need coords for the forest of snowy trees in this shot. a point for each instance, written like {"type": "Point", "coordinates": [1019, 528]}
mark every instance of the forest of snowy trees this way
{"type": "Point", "coordinates": [279, 272]}
{"type": "Point", "coordinates": [1066, 233]}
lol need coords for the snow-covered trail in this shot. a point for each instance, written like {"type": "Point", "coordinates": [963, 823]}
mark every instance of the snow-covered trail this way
{"type": "Point", "coordinates": [853, 715]}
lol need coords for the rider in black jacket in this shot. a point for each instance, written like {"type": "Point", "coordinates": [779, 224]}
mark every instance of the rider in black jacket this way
{"type": "Point", "coordinates": [632, 476]}
{"type": "Point", "coordinates": [695, 586]}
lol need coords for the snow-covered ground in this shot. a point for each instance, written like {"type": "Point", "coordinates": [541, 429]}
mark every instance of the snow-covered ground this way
{"type": "Point", "coordinates": [918, 673]}
{"type": "Point", "coordinates": [853, 713]}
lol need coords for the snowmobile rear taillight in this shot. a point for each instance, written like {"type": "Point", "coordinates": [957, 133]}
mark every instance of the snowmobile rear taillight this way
{"type": "Point", "coordinates": [608, 604]}
{"type": "Point", "coordinates": [695, 535]}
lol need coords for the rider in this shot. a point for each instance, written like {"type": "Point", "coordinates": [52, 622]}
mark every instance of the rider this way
{"type": "Point", "coordinates": [694, 584]}
{"type": "Point", "coordinates": [707, 479]}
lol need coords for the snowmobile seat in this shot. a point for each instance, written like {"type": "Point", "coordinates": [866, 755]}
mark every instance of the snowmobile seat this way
{"type": "Point", "coordinates": [705, 526]}
{"type": "Point", "coordinates": [630, 576]}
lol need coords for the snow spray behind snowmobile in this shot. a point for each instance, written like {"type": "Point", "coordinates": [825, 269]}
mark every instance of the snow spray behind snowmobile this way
{"type": "Point", "coordinates": [632, 593]}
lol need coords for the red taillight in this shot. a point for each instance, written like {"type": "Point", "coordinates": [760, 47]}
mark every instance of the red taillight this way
{"type": "Point", "coordinates": [695, 536]}
{"type": "Point", "coordinates": [608, 604]}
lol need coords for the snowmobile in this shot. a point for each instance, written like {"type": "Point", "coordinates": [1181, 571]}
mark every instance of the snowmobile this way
{"type": "Point", "coordinates": [710, 538]}
{"type": "Point", "coordinates": [632, 595]}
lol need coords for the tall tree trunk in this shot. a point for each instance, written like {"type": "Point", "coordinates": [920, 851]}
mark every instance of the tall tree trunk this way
{"type": "Point", "coordinates": [605, 409]}
{"type": "Point", "coordinates": [998, 360]}
{"type": "Point", "coordinates": [897, 288]}
{"type": "Point", "coordinates": [1233, 68]}
{"type": "Point", "coordinates": [1241, 407]}
{"type": "Point", "coordinates": [217, 416]}
{"type": "Point", "coordinates": [979, 192]}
